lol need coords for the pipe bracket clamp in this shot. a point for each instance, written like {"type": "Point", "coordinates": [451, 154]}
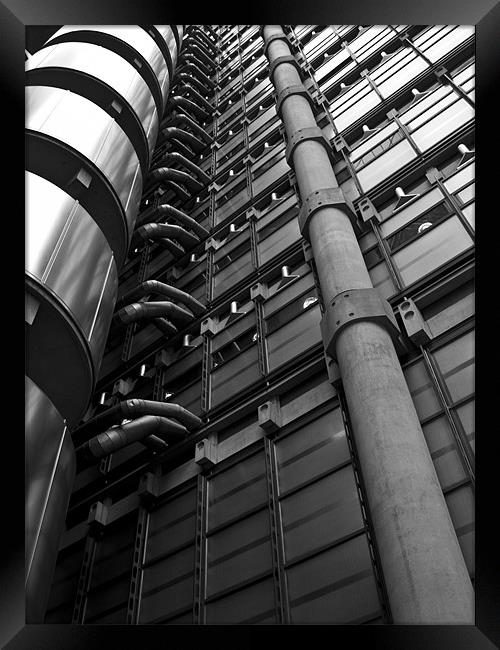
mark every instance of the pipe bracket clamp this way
{"type": "Point", "coordinates": [275, 37]}
{"type": "Point", "coordinates": [357, 305]}
{"type": "Point", "coordinates": [308, 133]}
{"type": "Point", "coordinates": [297, 89]}
{"type": "Point", "coordinates": [288, 58]}
{"type": "Point", "coordinates": [325, 198]}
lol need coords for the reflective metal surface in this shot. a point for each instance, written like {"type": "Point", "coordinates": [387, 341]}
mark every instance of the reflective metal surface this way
{"type": "Point", "coordinates": [67, 252]}
{"type": "Point", "coordinates": [50, 471]}
{"type": "Point", "coordinates": [136, 38]}
{"type": "Point", "coordinates": [108, 67]}
{"type": "Point", "coordinates": [77, 122]}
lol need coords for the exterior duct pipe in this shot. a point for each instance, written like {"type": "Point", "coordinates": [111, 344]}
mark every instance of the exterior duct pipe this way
{"type": "Point", "coordinates": [199, 67]}
{"type": "Point", "coordinates": [192, 40]}
{"type": "Point", "coordinates": [194, 47]}
{"type": "Point", "coordinates": [169, 211]}
{"type": "Point", "coordinates": [134, 408]}
{"type": "Point", "coordinates": [199, 36]}
{"type": "Point", "coordinates": [422, 564]}
{"type": "Point", "coordinates": [161, 230]}
{"type": "Point", "coordinates": [203, 87]}
{"type": "Point", "coordinates": [159, 288]}
{"type": "Point", "coordinates": [189, 106]}
{"type": "Point", "coordinates": [174, 157]}
{"type": "Point", "coordinates": [118, 437]}
{"type": "Point", "coordinates": [155, 444]}
{"type": "Point", "coordinates": [196, 28]}
{"type": "Point", "coordinates": [197, 71]}
{"type": "Point", "coordinates": [165, 326]}
{"type": "Point", "coordinates": [147, 310]}
{"type": "Point", "coordinates": [183, 148]}
{"type": "Point", "coordinates": [176, 249]}
{"type": "Point", "coordinates": [180, 118]}
{"type": "Point", "coordinates": [94, 101]}
{"type": "Point", "coordinates": [192, 91]}
{"type": "Point", "coordinates": [160, 174]}
{"type": "Point", "coordinates": [173, 132]}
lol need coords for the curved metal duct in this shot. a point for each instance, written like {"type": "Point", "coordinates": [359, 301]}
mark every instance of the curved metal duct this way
{"type": "Point", "coordinates": [175, 157]}
{"type": "Point", "coordinates": [166, 210]}
{"type": "Point", "coordinates": [194, 47]}
{"type": "Point", "coordinates": [201, 74]}
{"type": "Point", "coordinates": [160, 288]}
{"type": "Point", "coordinates": [179, 134]}
{"type": "Point", "coordinates": [196, 33]}
{"type": "Point", "coordinates": [159, 174]}
{"type": "Point", "coordinates": [118, 437]}
{"type": "Point", "coordinates": [192, 91]}
{"type": "Point", "coordinates": [134, 408]}
{"type": "Point", "coordinates": [94, 101]}
{"type": "Point", "coordinates": [189, 106]}
{"type": "Point", "coordinates": [180, 118]}
{"type": "Point", "coordinates": [147, 310]}
{"type": "Point", "coordinates": [161, 230]}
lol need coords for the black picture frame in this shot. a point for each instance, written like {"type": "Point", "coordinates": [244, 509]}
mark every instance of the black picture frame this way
{"type": "Point", "coordinates": [485, 15]}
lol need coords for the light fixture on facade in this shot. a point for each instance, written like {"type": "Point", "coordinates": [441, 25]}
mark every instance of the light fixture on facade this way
{"type": "Point", "coordinates": [424, 226]}
{"type": "Point", "coordinates": [309, 301]}
{"type": "Point", "coordinates": [403, 199]}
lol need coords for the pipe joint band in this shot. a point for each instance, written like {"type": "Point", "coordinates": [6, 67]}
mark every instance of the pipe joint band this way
{"type": "Point", "coordinates": [326, 198]}
{"type": "Point", "coordinates": [288, 58]}
{"type": "Point", "coordinates": [355, 305]}
{"type": "Point", "coordinates": [274, 37]}
{"type": "Point", "coordinates": [297, 89]}
{"type": "Point", "coordinates": [309, 133]}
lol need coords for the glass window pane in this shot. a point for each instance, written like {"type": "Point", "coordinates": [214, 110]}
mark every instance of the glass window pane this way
{"type": "Point", "coordinates": [336, 586]}
{"type": "Point", "coordinates": [306, 453]}
{"type": "Point", "coordinates": [254, 604]}
{"type": "Point", "coordinates": [382, 280]}
{"type": "Point", "coordinates": [296, 335]}
{"type": "Point", "coordinates": [321, 513]}
{"type": "Point", "coordinates": [171, 525]}
{"type": "Point", "coordinates": [432, 249]}
{"type": "Point", "coordinates": [167, 586]}
{"type": "Point", "coordinates": [456, 363]}
{"type": "Point", "coordinates": [422, 390]}
{"type": "Point", "coordinates": [238, 553]}
{"type": "Point", "coordinates": [442, 125]}
{"type": "Point", "coordinates": [444, 452]}
{"type": "Point", "coordinates": [465, 414]}
{"type": "Point", "coordinates": [416, 207]}
{"type": "Point", "coordinates": [386, 164]}
{"type": "Point", "coordinates": [237, 490]}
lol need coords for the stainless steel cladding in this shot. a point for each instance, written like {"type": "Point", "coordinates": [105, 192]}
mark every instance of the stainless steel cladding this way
{"type": "Point", "coordinates": [94, 100]}
{"type": "Point", "coordinates": [50, 466]}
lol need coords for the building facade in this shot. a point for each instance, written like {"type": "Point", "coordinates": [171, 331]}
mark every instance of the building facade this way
{"type": "Point", "coordinates": [264, 508]}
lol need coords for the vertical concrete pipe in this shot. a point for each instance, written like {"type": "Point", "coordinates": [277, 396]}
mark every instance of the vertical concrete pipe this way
{"type": "Point", "coordinates": [95, 97]}
{"type": "Point", "coordinates": [424, 570]}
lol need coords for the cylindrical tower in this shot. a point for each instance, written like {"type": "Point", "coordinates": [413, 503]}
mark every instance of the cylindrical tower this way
{"type": "Point", "coordinates": [95, 98]}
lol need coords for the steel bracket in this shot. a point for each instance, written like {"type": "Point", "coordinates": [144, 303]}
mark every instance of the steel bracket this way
{"type": "Point", "coordinates": [274, 37]}
{"type": "Point", "coordinates": [357, 305]}
{"type": "Point", "coordinates": [288, 58]}
{"type": "Point", "coordinates": [298, 89]}
{"type": "Point", "coordinates": [309, 133]}
{"type": "Point", "coordinates": [326, 198]}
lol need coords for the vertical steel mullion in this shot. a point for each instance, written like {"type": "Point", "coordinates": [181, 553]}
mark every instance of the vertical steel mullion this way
{"type": "Point", "coordinates": [84, 580]}
{"type": "Point", "coordinates": [365, 511]}
{"type": "Point", "coordinates": [462, 443]}
{"type": "Point", "coordinates": [200, 572]}
{"type": "Point", "coordinates": [137, 564]}
{"type": "Point", "coordinates": [282, 606]}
